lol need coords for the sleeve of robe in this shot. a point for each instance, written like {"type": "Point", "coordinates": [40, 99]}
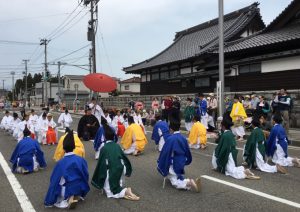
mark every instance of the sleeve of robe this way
{"type": "Point", "coordinates": [100, 172]}
{"type": "Point", "coordinates": [250, 149]}
{"type": "Point", "coordinates": [81, 126]}
{"type": "Point", "coordinates": [59, 152]}
{"type": "Point", "coordinates": [60, 119]}
{"type": "Point", "coordinates": [98, 138]}
{"type": "Point", "coordinates": [14, 157]}
{"type": "Point", "coordinates": [54, 189]}
{"type": "Point", "coordinates": [127, 138]}
{"type": "Point", "coordinates": [222, 152]}
{"type": "Point", "coordinates": [155, 136]}
{"type": "Point", "coordinates": [40, 155]}
{"type": "Point", "coordinates": [193, 134]}
{"type": "Point", "coordinates": [79, 147]}
{"type": "Point", "coordinates": [271, 142]}
{"type": "Point", "coordinates": [165, 157]}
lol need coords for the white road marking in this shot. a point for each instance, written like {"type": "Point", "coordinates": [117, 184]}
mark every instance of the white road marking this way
{"type": "Point", "coordinates": [249, 190]}
{"type": "Point", "coordinates": [17, 188]}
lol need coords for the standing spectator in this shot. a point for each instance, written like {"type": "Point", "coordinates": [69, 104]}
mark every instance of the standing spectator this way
{"type": "Point", "coordinates": [139, 106]}
{"type": "Point", "coordinates": [228, 104]}
{"type": "Point", "coordinates": [274, 103]}
{"type": "Point", "coordinates": [131, 104]}
{"type": "Point", "coordinates": [284, 104]}
{"type": "Point", "coordinates": [175, 110]}
{"type": "Point", "coordinates": [212, 106]}
{"type": "Point", "coordinates": [254, 101]}
{"type": "Point", "coordinates": [202, 109]}
{"type": "Point", "coordinates": [155, 105]}
{"type": "Point", "coordinates": [262, 107]}
{"type": "Point", "coordinates": [189, 113]}
{"type": "Point", "coordinates": [168, 107]}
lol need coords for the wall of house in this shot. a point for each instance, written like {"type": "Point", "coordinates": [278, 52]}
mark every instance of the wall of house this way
{"type": "Point", "coordinates": [288, 63]}
{"type": "Point", "coordinates": [133, 87]}
{"type": "Point", "coordinates": [70, 85]}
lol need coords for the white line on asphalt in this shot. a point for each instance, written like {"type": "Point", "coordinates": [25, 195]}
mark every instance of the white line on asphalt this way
{"type": "Point", "coordinates": [17, 188]}
{"type": "Point", "coordinates": [249, 190]}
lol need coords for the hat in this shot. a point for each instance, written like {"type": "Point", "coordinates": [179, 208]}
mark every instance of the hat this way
{"type": "Point", "coordinates": [208, 98]}
{"type": "Point", "coordinates": [68, 143]}
{"type": "Point", "coordinates": [211, 94]}
{"type": "Point", "coordinates": [253, 95]}
{"type": "Point", "coordinates": [49, 114]}
{"type": "Point", "coordinates": [247, 96]}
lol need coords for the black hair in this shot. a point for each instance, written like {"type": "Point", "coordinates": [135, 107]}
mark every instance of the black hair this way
{"type": "Point", "coordinates": [66, 111]}
{"type": "Point", "coordinates": [26, 132]}
{"type": "Point", "coordinates": [236, 97]}
{"type": "Point", "coordinates": [277, 118]}
{"type": "Point", "coordinates": [227, 121]}
{"type": "Point", "coordinates": [109, 133]}
{"type": "Point", "coordinates": [130, 120]}
{"type": "Point", "coordinates": [196, 117]}
{"type": "Point", "coordinates": [255, 122]}
{"type": "Point", "coordinates": [175, 125]}
{"type": "Point", "coordinates": [32, 110]}
{"type": "Point", "coordinates": [157, 117]}
{"type": "Point", "coordinates": [44, 115]}
{"type": "Point", "coordinates": [201, 95]}
{"type": "Point", "coordinates": [6, 112]}
{"type": "Point", "coordinates": [69, 143]}
{"type": "Point", "coordinates": [15, 115]}
{"type": "Point", "coordinates": [67, 130]}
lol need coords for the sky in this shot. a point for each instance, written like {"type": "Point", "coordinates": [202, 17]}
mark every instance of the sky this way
{"type": "Point", "coordinates": [128, 31]}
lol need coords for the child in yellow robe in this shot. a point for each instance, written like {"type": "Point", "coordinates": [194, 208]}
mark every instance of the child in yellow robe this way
{"type": "Point", "coordinates": [79, 148]}
{"type": "Point", "coordinates": [197, 136]}
{"type": "Point", "coordinates": [134, 139]}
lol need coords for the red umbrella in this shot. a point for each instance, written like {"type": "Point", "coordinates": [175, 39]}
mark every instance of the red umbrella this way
{"type": "Point", "coordinates": [100, 83]}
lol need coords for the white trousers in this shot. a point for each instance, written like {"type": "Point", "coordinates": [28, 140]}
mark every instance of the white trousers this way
{"type": "Point", "coordinates": [161, 143]}
{"type": "Point", "coordinates": [278, 157]}
{"type": "Point", "coordinates": [130, 150]}
{"type": "Point", "coordinates": [107, 190]}
{"type": "Point", "coordinates": [195, 146]}
{"type": "Point", "coordinates": [179, 184]}
{"type": "Point", "coordinates": [262, 165]}
{"type": "Point", "coordinates": [204, 120]}
{"type": "Point", "coordinates": [237, 172]}
{"type": "Point", "coordinates": [238, 131]}
{"type": "Point", "coordinates": [188, 126]}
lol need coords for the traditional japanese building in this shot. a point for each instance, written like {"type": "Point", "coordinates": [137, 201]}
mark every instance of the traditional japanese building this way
{"type": "Point", "coordinates": [256, 57]}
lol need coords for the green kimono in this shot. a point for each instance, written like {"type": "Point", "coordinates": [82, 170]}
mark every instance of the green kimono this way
{"type": "Point", "coordinates": [226, 145]}
{"type": "Point", "coordinates": [256, 139]}
{"type": "Point", "coordinates": [111, 156]}
{"type": "Point", "coordinates": [189, 113]}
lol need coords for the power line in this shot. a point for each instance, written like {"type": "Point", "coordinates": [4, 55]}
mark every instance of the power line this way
{"type": "Point", "coordinates": [17, 42]}
{"type": "Point", "coordinates": [70, 53]}
{"type": "Point", "coordinates": [59, 26]}
{"type": "Point", "coordinates": [30, 18]}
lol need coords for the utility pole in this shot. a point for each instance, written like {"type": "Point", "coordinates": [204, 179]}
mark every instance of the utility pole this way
{"type": "Point", "coordinates": [26, 85]}
{"type": "Point", "coordinates": [45, 43]}
{"type": "Point", "coordinates": [221, 57]}
{"type": "Point", "coordinates": [3, 85]}
{"type": "Point", "coordinates": [90, 68]}
{"type": "Point", "coordinates": [13, 85]}
{"type": "Point", "coordinates": [59, 63]}
{"type": "Point", "coordinates": [91, 29]}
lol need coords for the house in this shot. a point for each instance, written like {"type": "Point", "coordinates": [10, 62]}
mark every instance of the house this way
{"type": "Point", "coordinates": [73, 87]}
{"type": "Point", "coordinates": [130, 86]}
{"type": "Point", "coordinates": [256, 57]}
{"type": "Point", "coordinates": [38, 93]}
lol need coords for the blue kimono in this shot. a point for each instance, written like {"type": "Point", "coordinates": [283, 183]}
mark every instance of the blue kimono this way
{"type": "Point", "coordinates": [277, 132]}
{"type": "Point", "coordinates": [202, 107]}
{"type": "Point", "coordinates": [175, 152]}
{"type": "Point", "coordinates": [164, 127]}
{"type": "Point", "coordinates": [99, 138]}
{"type": "Point", "coordinates": [25, 150]}
{"type": "Point", "coordinates": [74, 170]}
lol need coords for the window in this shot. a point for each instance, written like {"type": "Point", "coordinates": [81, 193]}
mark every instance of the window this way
{"type": "Point", "coordinates": [155, 76]}
{"type": "Point", "coordinates": [126, 87]}
{"type": "Point", "coordinates": [144, 77]}
{"type": "Point", "coordinates": [164, 75]}
{"type": "Point", "coordinates": [173, 73]}
{"type": "Point", "coordinates": [202, 82]}
{"type": "Point", "coordinates": [250, 68]}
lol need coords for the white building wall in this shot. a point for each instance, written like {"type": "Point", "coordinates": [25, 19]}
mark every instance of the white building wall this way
{"type": "Point", "coordinates": [281, 64]}
{"type": "Point", "coordinates": [133, 87]}
{"type": "Point", "coordinates": [187, 70]}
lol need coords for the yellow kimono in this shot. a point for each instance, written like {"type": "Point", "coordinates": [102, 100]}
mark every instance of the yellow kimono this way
{"type": "Point", "coordinates": [238, 112]}
{"type": "Point", "coordinates": [198, 131]}
{"type": "Point", "coordinates": [79, 148]}
{"type": "Point", "coordinates": [134, 131]}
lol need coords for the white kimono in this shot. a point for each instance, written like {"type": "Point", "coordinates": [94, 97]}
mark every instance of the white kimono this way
{"type": "Point", "coordinates": [108, 119]}
{"type": "Point", "coordinates": [42, 130]}
{"type": "Point", "coordinates": [5, 122]}
{"type": "Point", "coordinates": [34, 121]}
{"type": "Point", "coordinates": [13, 125]}
{"type": "Point", "coordinates": [65, 120]}
{"type": "Point", "coordinates": [96, 111]}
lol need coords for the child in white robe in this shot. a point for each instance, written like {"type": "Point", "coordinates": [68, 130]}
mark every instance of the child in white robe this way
{"type": "Point", "coordinates": [65, 119]}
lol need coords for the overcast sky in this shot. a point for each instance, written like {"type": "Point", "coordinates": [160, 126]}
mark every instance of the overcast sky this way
{"type": "Point", "coordinates": [129, 31]}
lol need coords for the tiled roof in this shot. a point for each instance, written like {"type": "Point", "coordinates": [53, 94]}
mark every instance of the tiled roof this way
{"type": "Point", "coordinates": [196, 40]}
{"type": "Point", "coordinates": [132, 80]}
{"type": "Point", "coordinates": [264, 39]}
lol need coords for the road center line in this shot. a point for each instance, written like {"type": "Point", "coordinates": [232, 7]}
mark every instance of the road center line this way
{"type": "Point", "coordinates": [249, 190]}
{"type": "Point", "coordinates": [17, 188]}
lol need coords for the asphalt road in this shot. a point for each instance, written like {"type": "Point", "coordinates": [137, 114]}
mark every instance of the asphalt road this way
{"type": "Point", "coordinates": [147, 183]}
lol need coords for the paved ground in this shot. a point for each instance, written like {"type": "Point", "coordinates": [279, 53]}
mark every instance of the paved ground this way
{"type": "Point", "coordinates": [146, 182]}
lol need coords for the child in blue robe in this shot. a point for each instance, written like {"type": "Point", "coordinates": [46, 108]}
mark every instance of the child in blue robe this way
{"type": "Point", "coordinates": [27, 156]}
{"type": "Point", "coordinates": [160, 132]}
{"type": "Point", "coordinates": [69, 179]}
{"type": "Point", "coordinates": [174, 156]}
